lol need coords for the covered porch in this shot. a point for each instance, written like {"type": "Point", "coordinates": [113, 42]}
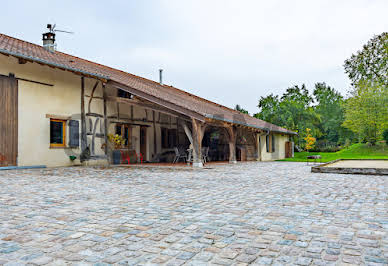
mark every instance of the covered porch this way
{"type": "Point", "coordinates": [156, 131]}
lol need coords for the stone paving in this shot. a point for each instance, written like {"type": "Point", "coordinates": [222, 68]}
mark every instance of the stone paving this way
{"type": "Point", "coordinates": [251, 213]}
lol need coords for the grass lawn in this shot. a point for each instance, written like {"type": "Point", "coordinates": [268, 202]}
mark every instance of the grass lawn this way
{"type": "Point", "coordinates": [355, 151]}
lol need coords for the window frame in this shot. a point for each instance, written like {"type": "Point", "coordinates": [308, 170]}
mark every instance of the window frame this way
{"type": "Point", "coordinates": [122, 132]}
{"type": "Point", "coordinates": [64, 127]}
{"type": "Point", "coordinates": [270, 144]}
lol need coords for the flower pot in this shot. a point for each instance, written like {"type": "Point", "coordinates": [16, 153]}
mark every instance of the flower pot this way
{"type": "Point", "coordinates": [116, 156]}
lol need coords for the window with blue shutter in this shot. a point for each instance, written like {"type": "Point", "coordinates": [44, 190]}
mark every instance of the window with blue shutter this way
{"type": "Point", "coordinates": [74, 133]}
{"type": "Point", "coordinates": [273, 143]}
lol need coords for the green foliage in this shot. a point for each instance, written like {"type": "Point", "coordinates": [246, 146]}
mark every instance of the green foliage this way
{"type": "Point", "coordinates": [330, 109]}
{"type": "Point", "coordinates": [292, 111]}
{"type": "Point", "coordinates": [371, 63]}
{"type": "Point", "coordinates": [240, 109]}
{"type": "Point", "coordinates": [355, 151]}
{"type": "Point", "coordinates": [366, 112]}
{"type": "Point", "coordinates": [385, 136]}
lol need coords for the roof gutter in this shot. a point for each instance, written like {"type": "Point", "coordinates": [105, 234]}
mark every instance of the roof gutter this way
{"type": "Point", "coordinates": [245, 124]}
{"type": "Point", "coordinates": [53, 64]}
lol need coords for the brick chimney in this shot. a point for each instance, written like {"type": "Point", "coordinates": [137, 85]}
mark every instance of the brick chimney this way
{"type": "Point", "coordinates": [49, 39]}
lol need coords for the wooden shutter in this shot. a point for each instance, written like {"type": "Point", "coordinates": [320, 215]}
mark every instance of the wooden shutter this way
{"type": "Point", "coordinates": [73, 133]}
{"type": "Point", "coordinates": [267, 142]}
{"type": "Point", "coordinates": [273, 143]}
{"type": "Point", "coordinates": [8, 121]}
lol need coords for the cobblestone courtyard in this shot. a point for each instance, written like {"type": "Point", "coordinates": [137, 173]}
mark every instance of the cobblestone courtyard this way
{"type": "Point", "coordinates": [251, 213]}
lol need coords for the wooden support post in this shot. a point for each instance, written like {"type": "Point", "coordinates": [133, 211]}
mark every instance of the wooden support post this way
{"type": "Point", "coordinates": [188, 132]}
{"type": "Point", "coordinates": [177, 131]}
{"type": "Point", "coordinates": [232, 132]}
{"type": "Point", "coordinates": [154, 125]}
{"type": "Point", "coordinates": [105, 120]}
{"type": "Point", "coordinates": [197, 136]}
{"type": "Point", "coordinates": [84, 143]}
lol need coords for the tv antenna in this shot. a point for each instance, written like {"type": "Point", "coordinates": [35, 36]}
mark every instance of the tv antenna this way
{"type": "Point", "coordinates": [52, 29]}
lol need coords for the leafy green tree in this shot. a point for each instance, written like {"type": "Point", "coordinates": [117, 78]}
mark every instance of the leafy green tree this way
{"type": "Point", "coordinates": [240, 109]}
{"type": "Point", "coordinates": [371, 63]}
{"type": "Point", "coordinates": [330, 109]}
{"type": "Point", "coordinates": [270, 110]}
{"type": "Point", "coordinates": [292, 111]}
{"type": "Point", "coordinates": [385, 136]}
{"type": "Point", "coordinates": [366, 112]}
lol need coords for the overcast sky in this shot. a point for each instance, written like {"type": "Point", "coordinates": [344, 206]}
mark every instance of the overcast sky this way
{"type": "Point", "coordinates": [231, 52]}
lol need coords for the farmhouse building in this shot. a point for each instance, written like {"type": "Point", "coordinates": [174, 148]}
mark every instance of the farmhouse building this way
{"type": "Point", "coordinates": [58, 110]}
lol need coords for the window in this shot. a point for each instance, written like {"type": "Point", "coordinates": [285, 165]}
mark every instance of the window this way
{"type": "Point", "coordinates": [124, 131]}
{"type": "Point", "coordinates": [57, 133]}
{"type": "Point", "coordinates": [169, 137]}
{"type": "Point", "coordinates": [270, 143]}
{"type": "Point", "coordinates": [124, 94]}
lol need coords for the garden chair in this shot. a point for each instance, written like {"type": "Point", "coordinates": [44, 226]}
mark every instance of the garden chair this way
{"type": "Point", "coordinates": [205, 154]}
{"type": "Point", "coordinates": [179, 154]}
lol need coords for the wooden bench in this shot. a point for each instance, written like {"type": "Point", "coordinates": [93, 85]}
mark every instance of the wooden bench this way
{"type": "Point", "coordinates": [315, 158]}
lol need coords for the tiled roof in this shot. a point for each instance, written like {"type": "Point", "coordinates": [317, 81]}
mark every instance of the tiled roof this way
{"type": "Point", "coordinates": [203, 107]}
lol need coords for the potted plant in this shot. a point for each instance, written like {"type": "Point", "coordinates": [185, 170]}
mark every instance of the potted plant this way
{"type": "Point", "coordinates": [117, 142]}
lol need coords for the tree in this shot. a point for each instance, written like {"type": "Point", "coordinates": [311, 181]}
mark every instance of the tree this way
{"type": "Point", "coordinates": [331, 112]}
{"type": "Point", "coordinates": [385, 136]}
{"type": "Point", "coordinates": [371, 63]}
{"type": "Point", "coordinates": [366, 112]}
{"type": "Point", "coordinates": [292, 111]}
{"type": "Point", "coordinates": [310, 140]}
{"type": "Point", "coordinates": [270, 110]}
{"type": "Point", "coordinates": [240, 109]}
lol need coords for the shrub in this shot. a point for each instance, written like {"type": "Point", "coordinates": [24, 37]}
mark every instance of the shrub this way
{"type": "Point", "coordinates": [326, 149]}
{"type": "Point", "coordinates": [385, 136]}
{"type": "Point", "coordinates": [347, 143]}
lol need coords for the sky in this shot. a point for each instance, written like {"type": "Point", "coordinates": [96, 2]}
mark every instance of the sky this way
{"type": "Point", "coordinates": [230, 52]}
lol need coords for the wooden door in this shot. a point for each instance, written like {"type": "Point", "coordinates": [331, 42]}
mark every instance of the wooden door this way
{"type": "Point", "coordinates": [288, 149]}
{"type": "Point", "coordinates": [8, 121]}
{"type": "Point", "coordinates": [143, 142]}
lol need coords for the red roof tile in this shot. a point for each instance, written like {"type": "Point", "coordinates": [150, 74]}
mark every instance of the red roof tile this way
{"type": "Point", "coordinates": [203, 107]}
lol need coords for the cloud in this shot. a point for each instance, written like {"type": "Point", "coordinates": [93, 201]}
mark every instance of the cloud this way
{"type": "Point", "coordinates": [232, 52]}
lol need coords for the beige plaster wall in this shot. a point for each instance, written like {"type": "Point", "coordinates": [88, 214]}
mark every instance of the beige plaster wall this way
{"type": "Point", "coordinates": [280, 148]}
{"type": "Point", "coordinates": [35, 101]}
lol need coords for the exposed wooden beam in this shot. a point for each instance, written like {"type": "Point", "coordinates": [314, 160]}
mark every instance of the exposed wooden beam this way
{"type": "Point", "coordinates": [91, 96]}
{"type": "Point", "coordinates": [157, 101]}
{"type": "Point", "coordinates": [152, 107]}
{"type": "Point", "coordinates": [154, 124]}
{"type": "Point", "coordinates": [34, 81]}
{"type": "Point", "coordinates": [105, 120]}
{"type": "Point", "coordinates": [83, 117]}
